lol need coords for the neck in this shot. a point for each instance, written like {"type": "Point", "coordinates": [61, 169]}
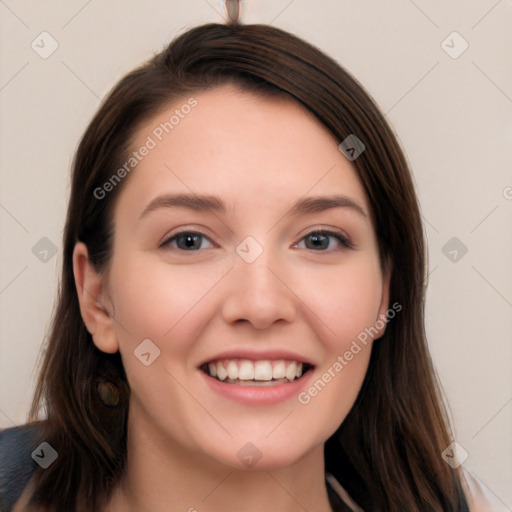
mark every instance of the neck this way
{"type": "Point", "coordinates": [162, 476]}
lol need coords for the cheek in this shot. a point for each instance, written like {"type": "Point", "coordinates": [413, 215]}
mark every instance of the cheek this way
{"type": "Point", "coordinates": [346, 300]}
{"type": "Point", "coordinates": [169, 308]}
{"type": "Point", "coordinates": [154, 302]}
{"type": "Point", "coordinates": [327, 400]}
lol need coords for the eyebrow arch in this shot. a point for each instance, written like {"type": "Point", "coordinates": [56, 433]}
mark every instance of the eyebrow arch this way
{"type": "Point", "coordinates": [321, 203]}
{"type": "Point", "coordinates": [209, 203]}
{"type": "Point", "coordinates": [198, 203]}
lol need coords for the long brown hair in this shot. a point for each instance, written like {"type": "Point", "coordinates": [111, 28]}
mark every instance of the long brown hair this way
{"type": "Point", "coordinates": [387, 452]}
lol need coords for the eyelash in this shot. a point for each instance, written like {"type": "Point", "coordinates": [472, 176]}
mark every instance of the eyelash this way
{"type": "Point", "coordinates": [342, 239]}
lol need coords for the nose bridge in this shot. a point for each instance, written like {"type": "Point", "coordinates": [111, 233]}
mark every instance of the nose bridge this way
{"type": "Point", "coordinates": [258, 293]}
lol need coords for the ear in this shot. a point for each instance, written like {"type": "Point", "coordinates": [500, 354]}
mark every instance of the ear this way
{"type": "Point", "coordinates": [381, 320]}
{"type": "Point", "coordinates": [91, 297]}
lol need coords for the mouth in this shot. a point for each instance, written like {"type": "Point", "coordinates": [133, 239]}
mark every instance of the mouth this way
{"type": "Point", "coordinates": [248, 372]}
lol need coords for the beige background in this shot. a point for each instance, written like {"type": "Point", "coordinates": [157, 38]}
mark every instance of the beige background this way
{"type": "Point", "coordinates": [452, 115]}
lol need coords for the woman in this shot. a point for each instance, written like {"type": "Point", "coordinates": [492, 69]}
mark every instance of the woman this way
{"type": "Point", "coordinates": [240, 320]}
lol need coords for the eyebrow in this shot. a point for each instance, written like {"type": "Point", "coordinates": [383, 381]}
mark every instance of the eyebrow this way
{"type": "Point", "coordinates": [321, 203]}
{"type": "Point", "coordinates": [209, 203]}
{"type": "Point", "coordinates": [203, 203]}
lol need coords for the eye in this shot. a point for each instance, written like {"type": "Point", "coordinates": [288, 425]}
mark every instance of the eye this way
{"type": "Point", "coordinates": [318, 240]}
{"type": "Point", "coordinates": [187, 241]}
{"type": "Point", "coordinates": [321, 240]}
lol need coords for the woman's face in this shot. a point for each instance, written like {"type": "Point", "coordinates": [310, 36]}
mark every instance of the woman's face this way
{"type": "Point", "coordinates": [250, 288]}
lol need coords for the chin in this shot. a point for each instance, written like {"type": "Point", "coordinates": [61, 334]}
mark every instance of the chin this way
{"type": "Point", "coordinates": [264, 454]}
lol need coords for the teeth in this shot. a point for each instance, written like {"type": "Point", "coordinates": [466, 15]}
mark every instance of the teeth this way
{"type": "Point", "coordinates": [263, 370]}
{"type": "Point", "coordinates": [232, 370]}
{"type": "Point", "coordinates": [279, 370]}
{"type": "Point", "coordinates": [291, 370]}
{"type": "Point", "coordinates": [221, 371]}
{"type": "Point", "coordinates": [255, 372]}
{"type": "Point", "coordinates": [246, 371]}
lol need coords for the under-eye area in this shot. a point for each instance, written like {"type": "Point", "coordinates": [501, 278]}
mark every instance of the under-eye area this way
{"type": "Point", "coordinates": [247, 372]}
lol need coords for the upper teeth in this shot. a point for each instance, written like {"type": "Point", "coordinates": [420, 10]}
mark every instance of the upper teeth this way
{"type": "Point", "coordinates": [245, 369]}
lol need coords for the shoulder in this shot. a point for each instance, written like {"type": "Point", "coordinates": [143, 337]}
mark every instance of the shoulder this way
{"type": "Point", "coordinates": [16, 463]}
{"type": "Point", "coordinates": [480, 497]}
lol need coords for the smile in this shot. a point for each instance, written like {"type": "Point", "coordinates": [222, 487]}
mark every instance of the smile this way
{"type": "Point", "coordinates": [246, 372]}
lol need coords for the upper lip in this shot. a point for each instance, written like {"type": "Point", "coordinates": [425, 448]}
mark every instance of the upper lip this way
{"type": "Point", "coordinates": [258, 355]}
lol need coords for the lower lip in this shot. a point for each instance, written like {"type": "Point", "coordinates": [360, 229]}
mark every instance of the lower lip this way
{"type": "Point", "coordinates": [254, 395]}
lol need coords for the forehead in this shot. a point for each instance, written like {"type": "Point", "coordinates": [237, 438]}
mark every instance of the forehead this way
{"type": "Point", "coordinates": [241, 146]}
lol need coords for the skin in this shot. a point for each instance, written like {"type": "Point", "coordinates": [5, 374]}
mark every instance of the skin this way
{"type": "Point", "coordinates": [260, 156]}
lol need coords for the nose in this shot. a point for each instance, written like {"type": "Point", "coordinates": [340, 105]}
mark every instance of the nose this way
{"type": "Point", "coordinates": [259, 293]}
